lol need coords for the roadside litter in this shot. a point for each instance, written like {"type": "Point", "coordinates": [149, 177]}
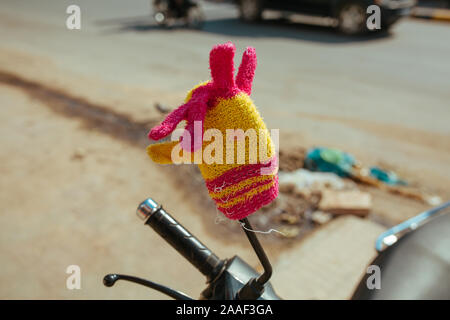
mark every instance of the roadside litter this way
{"type": "Point", "coordinates": [388, 177]}
{"type": "Point", "coordinates": [310, 199]}
{"type": "Point", "coordinates": [334, 194]}
{"type": "Point", "coordinates": [304, 179]}
{"type": "Point", "coordinates": [345, 165]}
{"type": "Point", "coordinates": [330, 160]}
{"type": "Point", "coordinates": [320, 184]}
{"type": "Point", "coordinates": [353, 202]}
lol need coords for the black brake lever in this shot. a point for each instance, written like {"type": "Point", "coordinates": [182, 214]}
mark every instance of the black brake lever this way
{"type": "Point", "coordinates": [110, 279]}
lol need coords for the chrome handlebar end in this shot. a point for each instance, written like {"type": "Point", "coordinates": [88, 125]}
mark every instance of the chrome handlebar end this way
{"type": "Point", "coordinates": [147, 208]}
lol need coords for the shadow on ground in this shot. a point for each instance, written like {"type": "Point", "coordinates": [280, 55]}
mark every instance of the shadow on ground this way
{"type": "Point", "coordinates": [273, 28]}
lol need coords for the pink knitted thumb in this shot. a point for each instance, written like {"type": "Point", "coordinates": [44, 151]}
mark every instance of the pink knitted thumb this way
{"type": "Point", "coordinates": [170, 123]}
{"type": "Point", "coordinates": [194, 112]}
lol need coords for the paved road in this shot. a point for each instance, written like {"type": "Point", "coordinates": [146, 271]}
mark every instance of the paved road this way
{"type": "Point", "coordinates": [387, 94]}
{"type": "Point", "coordinates": [400, 79]}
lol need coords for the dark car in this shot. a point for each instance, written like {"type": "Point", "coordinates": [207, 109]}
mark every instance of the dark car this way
{"type": "Point", "coordinates": [350, 15]}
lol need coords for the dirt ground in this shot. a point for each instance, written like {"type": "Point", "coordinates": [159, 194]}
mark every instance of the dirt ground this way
{"type": "Point", "coordinates": [73, 164]}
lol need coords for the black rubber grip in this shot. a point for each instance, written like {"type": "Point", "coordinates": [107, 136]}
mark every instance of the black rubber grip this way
{"type": "Point", "coordinates": [185, 243]}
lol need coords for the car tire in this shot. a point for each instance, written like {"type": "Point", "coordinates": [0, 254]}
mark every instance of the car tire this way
{"type": "Point", "coordinates": [250, 10]}
{"type": "Point", "coordinates": [352, 18]}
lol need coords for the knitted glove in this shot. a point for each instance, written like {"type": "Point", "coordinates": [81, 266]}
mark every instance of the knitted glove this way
{"type": "Point", "coordinates": [238, 181]}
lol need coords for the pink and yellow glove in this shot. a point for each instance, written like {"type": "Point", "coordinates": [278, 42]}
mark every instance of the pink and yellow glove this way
{"type": "Point", "coordinates": [239, 188]}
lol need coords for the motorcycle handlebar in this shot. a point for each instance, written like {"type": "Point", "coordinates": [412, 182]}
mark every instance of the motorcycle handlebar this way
{"type": "Point", "coordinates": [179, 238]}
